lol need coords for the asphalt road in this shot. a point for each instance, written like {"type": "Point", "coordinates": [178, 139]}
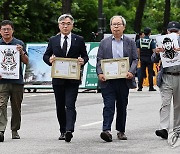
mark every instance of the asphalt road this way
{"type": "Point", "coordinates": [39, 131]}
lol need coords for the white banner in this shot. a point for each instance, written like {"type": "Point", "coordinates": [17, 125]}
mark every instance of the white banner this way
{"type": "Point", "coordinates": [9, 61]}
{"type": "Point", "coordinates": [169, 42]}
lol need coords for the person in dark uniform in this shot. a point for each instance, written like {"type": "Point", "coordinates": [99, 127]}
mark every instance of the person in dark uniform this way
{"type": "Point", "coordinates": [146, 47]}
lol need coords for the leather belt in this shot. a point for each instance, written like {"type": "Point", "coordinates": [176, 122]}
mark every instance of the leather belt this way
{"type": "Point", "coordinates": [172, 73]}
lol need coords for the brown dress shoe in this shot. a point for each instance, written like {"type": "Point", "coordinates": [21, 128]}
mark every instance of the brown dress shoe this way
{"type": "Point", "coordinates": [15, 135]}
{"type": "Point", "coordinates": [106, 136]}
{"type": "Point", "coordinates": [62, 136]}
{"type": "Point", "coordinates": [121, 136]}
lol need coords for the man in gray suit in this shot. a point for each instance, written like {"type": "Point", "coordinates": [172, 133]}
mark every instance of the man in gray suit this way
{"type": "Point", "coordinates": [168, 81]}
{"type": "Point", "coordinates": [116, 90]}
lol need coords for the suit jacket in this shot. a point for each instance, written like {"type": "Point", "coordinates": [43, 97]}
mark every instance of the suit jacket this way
{"type": "Point", "coordinates": [129, 50]}
{"type": "Point", "coordinates": [77, 49]}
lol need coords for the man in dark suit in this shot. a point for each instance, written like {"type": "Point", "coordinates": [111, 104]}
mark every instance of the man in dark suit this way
{"type": "Point", "coordinates": [116, 90]}
{"type": "Point", "coordinates": [68, 45]}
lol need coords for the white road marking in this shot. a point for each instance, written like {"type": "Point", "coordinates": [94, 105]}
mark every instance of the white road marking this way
{"type": "Point", "coordinates": [93, 123]}
{"type": "Point", "coordinates": [34, 95]}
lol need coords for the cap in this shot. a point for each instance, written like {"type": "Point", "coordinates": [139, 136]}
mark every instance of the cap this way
{"type": "Point", "coordinates": [147, 30]}
{"type": "Point", "coordinates": [173, 25]}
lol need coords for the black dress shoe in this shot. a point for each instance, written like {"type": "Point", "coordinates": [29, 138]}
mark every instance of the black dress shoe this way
{"type": "Point", "coordinates": [139, 89]}
{"type": "Point", "coordinates": [106, 136]}
{"type": "Point", "coordinates": [68, 136]}
{"type": "Point", "coordinates": [1, 137]}
{"type": "Point", "coordinates": [163, 133]}
{"type": "Point", "coordinates": [62, 136]}
{"type": "Point", "coordinates": [152, 89]}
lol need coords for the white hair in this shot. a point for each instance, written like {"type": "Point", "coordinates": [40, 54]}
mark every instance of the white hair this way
{"type": "Point", "coordinates": [122, 18]}
{"type": "Point", "coordinates": [62, 17]}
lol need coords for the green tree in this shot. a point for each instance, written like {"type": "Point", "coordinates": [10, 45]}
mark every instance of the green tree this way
{"type": "Point", "coordinates": [36, 20]}
{"type": "Point", "coordinates": [85, 15]}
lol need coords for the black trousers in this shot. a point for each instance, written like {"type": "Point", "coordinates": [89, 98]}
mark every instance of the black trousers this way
{"type": "Point", "coordinates": [145, 65]}
{"type": "Point", "coordinates": [65, 96]}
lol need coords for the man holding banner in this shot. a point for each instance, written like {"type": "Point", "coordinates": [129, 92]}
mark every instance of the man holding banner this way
{"type": "Point", "coordinates": [11, 87]}
{"type": "Point", "coordinates": [168, 80]}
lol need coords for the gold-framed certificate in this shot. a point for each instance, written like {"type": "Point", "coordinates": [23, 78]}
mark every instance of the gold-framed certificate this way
{"type": "Point", "coordinates": [65, 68]}
{"type": "Point", "coordinates": [115, 68]}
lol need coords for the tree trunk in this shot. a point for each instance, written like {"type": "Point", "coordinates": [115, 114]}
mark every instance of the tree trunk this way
{"type": "Point", "coordinates": [139, 15]}
{"type": "Point", "coordinates": [166, 15]}
{"type": "Point", "coordinates": [6, 9]}
{"type": "Point", "coordinates": [66, 6]}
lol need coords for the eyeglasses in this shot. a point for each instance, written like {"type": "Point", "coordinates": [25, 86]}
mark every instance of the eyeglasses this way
{"type": "Point", "coordinates": [6, 29]}
{"type": "Point", "coordinates": [117, 24]}
{"type": "Point", "coordinates": [65, 24]}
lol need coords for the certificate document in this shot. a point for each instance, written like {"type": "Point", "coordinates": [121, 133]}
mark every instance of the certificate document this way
{"type": "Point", "coordinates": [9, 61]}
{"type": "Point", "coordinates": [65, 68]}
{"type": "Point", "coordinates": [168, 42]}
{"type": "Point", "coordinates": [115, 68]}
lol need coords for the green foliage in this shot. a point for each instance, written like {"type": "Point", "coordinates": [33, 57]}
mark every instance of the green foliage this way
{"type": "Point", "coordinates": [36, 20]}
{"type": "Point", "coordinates": [85, 14]}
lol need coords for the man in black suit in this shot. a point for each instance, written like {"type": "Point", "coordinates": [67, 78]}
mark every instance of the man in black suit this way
{"type": "Point", "coordinates": [68, 45]}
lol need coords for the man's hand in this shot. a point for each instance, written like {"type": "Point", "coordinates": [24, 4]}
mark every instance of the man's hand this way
{"type": "Point", "coordinates": [81, 61]}
{"type": "Point", "coordinates": [177, 49]}
{"type": "Point", "coordinates": [52, 59]}
{"type": "Point", "coordinates": [101, 77]}
{"type": "Point", "coordinates": [20, 49]}
{"type": "Point", "coordinates": [129, 75]}
{"type": "Point", "coordinates": [158, 50]}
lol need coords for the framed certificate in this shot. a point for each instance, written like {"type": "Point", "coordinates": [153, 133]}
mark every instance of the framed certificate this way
{"type": "Point", "coordinates": [115, 68]}
{"type": "Point", "coordinates": [65, 68]}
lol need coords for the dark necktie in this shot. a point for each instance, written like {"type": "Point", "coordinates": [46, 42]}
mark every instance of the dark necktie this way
{"type": "Point", "coordinates": [65, 45]}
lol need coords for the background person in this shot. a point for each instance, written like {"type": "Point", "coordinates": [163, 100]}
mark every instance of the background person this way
{"type": "Point", "coordinates": [66, 90]}
{"type": "Point", "coordinates": [146, 47]}
{"type": "Point", "coordinates": [116, 90]}
{"type": "Point", "coordinates": [11, 88]}
{"type": "Point", "coordinates": [168, 80]}
{"type": "Point", "coordinates": [138, 71]}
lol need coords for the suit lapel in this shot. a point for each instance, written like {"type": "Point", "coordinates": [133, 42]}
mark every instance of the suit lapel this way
{"type": "Point", "coordinates": [58, 45]}
{"type": "Point", "coordinates": [125, 46]}
{"type": "Point", "coordinates": [109, 47]}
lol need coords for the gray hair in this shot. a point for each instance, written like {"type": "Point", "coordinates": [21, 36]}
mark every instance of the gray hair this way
{"type": "Point", "coordinates": [62, 17]}
{"type": "Point", "coordinates": [122, 18]}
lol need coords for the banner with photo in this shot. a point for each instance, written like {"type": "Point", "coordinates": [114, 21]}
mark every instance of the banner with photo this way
{"type": "Point", "coordinates": [169, 42]}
